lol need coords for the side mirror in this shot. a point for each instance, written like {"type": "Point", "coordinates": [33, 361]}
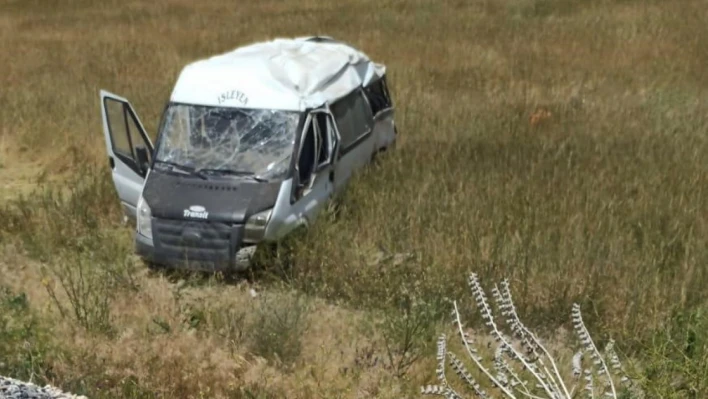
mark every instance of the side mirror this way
{"type": "Point", "coordinates": [143, 158]}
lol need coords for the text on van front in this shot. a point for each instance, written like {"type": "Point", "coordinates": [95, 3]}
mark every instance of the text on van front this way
{"type": "Point", "coordinates": [233, 95]}
{"type": "Point", "coordinates": [197, 212]}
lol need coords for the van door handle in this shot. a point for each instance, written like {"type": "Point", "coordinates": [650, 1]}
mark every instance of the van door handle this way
{"type": "Point", "coordinates": [331, 175]}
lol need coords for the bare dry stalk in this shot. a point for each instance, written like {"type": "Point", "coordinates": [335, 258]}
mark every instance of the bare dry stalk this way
{"type": "Point", "coordinates": [528, 355]}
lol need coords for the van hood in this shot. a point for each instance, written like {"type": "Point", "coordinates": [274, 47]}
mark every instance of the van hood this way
{"type": "Point", "coordinates": [229, 200]}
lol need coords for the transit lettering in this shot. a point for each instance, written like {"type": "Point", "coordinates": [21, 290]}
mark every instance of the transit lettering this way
{"type": "Point", "coordinates": [198, 215]}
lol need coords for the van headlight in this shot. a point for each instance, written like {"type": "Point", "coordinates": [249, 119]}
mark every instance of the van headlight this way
{"type": "Point", "coordinates": [256, 226]}
{"type": "Point", "coordinates": [144, 218]}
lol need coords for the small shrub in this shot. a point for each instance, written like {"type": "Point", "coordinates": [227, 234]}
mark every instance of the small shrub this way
{"type": "Point", "coordinates": [406, 331]}
{"type": "Point", "coordinates": [56, 217]}
{"type": "Point", "coordinates": [22, 341]}
{"type": "Point", "coordinates": [228, 323]}
{"type": "Point", "coordinates": [278, 326]}
{"type": "Point", "coordinates": [69, 231]}
{"type": "Point", "coordinates": [87, 288]}
{"type": "Point", "coordinates": [676, 363]}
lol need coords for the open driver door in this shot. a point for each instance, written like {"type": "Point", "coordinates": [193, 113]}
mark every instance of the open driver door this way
{"type": "Point", "coordinates": [129, 150]}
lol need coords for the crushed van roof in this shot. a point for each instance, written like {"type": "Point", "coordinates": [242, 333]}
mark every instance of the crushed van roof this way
{"type": "Point", "coordinates": [285, 74]}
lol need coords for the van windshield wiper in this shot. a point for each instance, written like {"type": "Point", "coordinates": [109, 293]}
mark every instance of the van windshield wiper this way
{"type": "Point", "coordinates": [183, 169]}
{"type": "Point", "coordinates": [231, 172]}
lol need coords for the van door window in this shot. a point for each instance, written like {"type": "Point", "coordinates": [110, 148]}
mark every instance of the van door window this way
{"type": "Point", "coordinates": [119, 128]}
{"type": "Point", "coordinates": [354, 119]}
{"type": "Point", "coordinates": [308, 156]}
{"type": "Point", "coordinates": [126, 136]}
{"type": "Point", "coordinates": [324, 139]}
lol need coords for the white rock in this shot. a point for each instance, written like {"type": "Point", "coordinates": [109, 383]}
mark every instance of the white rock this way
{"type": "Point", "coordinates": [11, 388]}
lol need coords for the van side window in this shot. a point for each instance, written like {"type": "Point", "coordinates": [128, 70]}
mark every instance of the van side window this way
{"type": "Point", "coordinates": [323, 138]}
{"type": "Point", "coordinates": [308, 153]}
{"type": "Point", "coordinates": [118, 120]}
{"type": "Point", "coordinates": [125, 134]}
{"type": "Point", "coordinates": [353, 117]}
{"type": "Point", "coordinates": [378, 96]}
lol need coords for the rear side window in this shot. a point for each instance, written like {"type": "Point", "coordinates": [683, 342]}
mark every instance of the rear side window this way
{"type": "Point", "coordinates": [378, 96]}
{"type": "Point", "coordinates": [353, 117]}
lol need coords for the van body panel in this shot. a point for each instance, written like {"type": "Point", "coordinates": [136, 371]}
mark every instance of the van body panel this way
{"type": "Point", "coordinates": [283, 220]}
{"type": "Point", "coordinates": [355, 158]}
{"type": "Point", "coordinates": [288, 215]}
{"type": "Point", "coordinates": [288, 74]}
{"type": "Point", "coordinates": [385, 129]}
{"type": "Point", "coordinates": [231, 200]}
{"type": "Point", "coordinates": [128, 185]}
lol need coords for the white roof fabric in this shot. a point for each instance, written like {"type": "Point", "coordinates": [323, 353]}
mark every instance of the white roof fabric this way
{"type": "Point", "coordinates": [284, 74]}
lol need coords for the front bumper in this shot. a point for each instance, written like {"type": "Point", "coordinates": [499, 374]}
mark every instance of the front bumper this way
{"type": "Point", "coordinates": [195, 245]}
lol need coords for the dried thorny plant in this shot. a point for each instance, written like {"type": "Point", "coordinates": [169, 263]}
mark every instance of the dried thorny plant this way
{"type": "Point", "coordinates": [521, 366]}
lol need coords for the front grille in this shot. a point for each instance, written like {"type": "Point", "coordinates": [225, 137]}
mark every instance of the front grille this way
{"type": "Point", "coordinates": [172, 238]}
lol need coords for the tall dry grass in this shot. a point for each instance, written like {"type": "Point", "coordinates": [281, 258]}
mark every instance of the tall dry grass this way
{"type": "Point", "coordinates": [556, 143]}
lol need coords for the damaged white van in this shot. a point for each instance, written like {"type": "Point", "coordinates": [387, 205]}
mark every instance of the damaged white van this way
{"type": "Point", "coordinates": [251, 144]}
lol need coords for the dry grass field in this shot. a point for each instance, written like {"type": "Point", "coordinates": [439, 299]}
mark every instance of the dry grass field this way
{"type": "Point", "coordinates": [561, 144]}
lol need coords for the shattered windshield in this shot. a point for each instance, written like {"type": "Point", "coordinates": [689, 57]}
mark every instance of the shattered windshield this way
{"type": "Point", "coordinates": [257, 142]}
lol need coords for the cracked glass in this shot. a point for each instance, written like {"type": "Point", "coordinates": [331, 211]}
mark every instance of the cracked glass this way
{"type": "Point", "coordinates": [256, 142]}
